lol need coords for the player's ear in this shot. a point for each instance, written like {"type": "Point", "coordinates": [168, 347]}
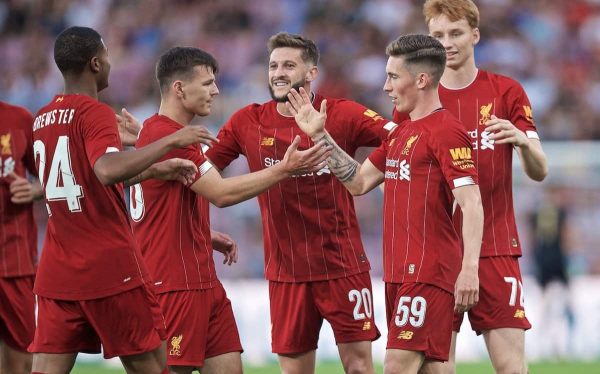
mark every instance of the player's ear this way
{"type": "Point", "coordinates": [476, 35]}
{"type": "Point", "coordinates": [312, 72]}
{"type": "Point", "coordinates": [422, 80]}
{"type": "Point", "coordinates": [177, 87]}
{"type": "Point", "coordinates": [95, 64]}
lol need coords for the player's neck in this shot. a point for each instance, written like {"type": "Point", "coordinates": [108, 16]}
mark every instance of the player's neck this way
{"type": "Point", "coordinates": [175, 113]}
{"type": "Point", "coordinates": [75, 86]}
{"type": "Point", "coordinates": [427, 104]}
{"type": "Point", "coordinates": [459, 78]}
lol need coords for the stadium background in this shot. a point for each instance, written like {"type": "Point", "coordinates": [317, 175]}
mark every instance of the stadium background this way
{"type": "Point", "coordinates": [551, 47]}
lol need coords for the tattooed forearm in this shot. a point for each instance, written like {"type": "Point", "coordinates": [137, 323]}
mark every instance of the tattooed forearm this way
{"type": "Point", "coordinates": [341, 164]}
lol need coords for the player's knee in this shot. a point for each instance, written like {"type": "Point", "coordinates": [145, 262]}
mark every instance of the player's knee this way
{"type": "Point", "coordinates": [449, 367]}
{"type": "Point", "coordinates": [20, 365]}
{"type": "Point", "coordinates": [510, 367]}
{"type": "Point", "coordinates": [358, 365]}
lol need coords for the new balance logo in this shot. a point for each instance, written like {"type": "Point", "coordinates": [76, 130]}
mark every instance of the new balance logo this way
{"type": "Point", "coordinates": [405, 335]}
{"type": "Point", "coordinates": [367, 326]}
{"type": "Point", "coordinates": [520, 313]}
{"type": "Point", "coordinates": [268, 142]}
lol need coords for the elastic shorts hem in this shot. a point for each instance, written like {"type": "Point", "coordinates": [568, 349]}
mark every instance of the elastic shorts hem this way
{"type": "Point", "coordinates": [422, 350]}
{"type": "Point", "coordinates": [292, 351]}
{"type": "Point", "coordinates": [131, 353]}
{"type": "Point", "coordinates": [64, 351]}
{"type": "Point", "coordinates": [230, 350]}
{"type": "Point", "coordinates": [358, 339]}
{"type": "Point", "coordinates": [480, 331]}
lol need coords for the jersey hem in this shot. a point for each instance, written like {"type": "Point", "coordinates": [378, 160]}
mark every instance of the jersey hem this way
{"type": "Point", "coordinates": [318, 278]}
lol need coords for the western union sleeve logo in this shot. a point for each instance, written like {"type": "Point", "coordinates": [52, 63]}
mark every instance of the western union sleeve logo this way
{"type": "Point", "coordinates": [461, 157]}
{"type": "Point", "coordinates": [372, 114]}
{"type": "Point", "coordinates": [5, 144]}
{"type": "Point", "coordinates": [528, 113]}
{"type": "Point", "coordinates": [268, 142]}
{"type": "Point", "coordinates": [486, 113]}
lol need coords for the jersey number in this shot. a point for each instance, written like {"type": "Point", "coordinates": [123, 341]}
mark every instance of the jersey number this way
{"type": "Point", "coordinates": [361, 298]}
{"type": "Point", "coordinates": [136, 202]}
{"type": "Point", "coordinates": [413, 312]}
{"type": "Point", "coordinates": [61, 183]}
{"type": "Point", "coordinates": [515, 285]}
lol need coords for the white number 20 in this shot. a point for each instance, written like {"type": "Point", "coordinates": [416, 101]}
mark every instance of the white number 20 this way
{"type": "Point", "coordinates": [61, 172]}
{"type": "Point", "coordinates": [363, 298]}
{"type": "Point", "coordinates": [415, 314]}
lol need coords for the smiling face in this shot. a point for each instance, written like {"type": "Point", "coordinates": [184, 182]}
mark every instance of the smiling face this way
{"type": "Point", "coordinates": [457, 37]}
{"type": "Point", "coordinates": [197, 92]}
{"type": "Point", "coordinates": [287, 70]}
{"type": "Point", "coordinates": [400, 85]}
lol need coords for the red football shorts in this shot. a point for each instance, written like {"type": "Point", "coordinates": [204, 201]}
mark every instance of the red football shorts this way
{"type": "Point", "coordinates": [200, 324]}
{"type": "Point", "coordinates": [419, 319]}
{"type": "Point", "coordinates": [298, 310]}
{"type": "Point", "coordinates": [17, 312]}
{"type": "Point", "coordinates": [500, 297]}
{"type": "Point", "coordinates": [124, 324]}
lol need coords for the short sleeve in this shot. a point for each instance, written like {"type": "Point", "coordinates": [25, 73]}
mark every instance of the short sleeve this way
{"type": "Point", "coordinates": [378, 156]}
{"type": "Point", "coordinates": [228, 148]}
{"type": "Point", "coordinates": [100, 134]}
{"type": "Point", "coordinates": [453, 150]}
{"type": "Point", "coordinates": [28, 158]}
{"type": "Point", "coordinates": [368, 128]}
{"type": "Point", "coordinates": [521, 114]}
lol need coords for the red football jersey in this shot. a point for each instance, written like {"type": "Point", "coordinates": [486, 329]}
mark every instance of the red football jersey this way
{"type": "Point", "coordinates": [310, 228]}
{"type": "Point", "coordinates": [171, 222]}
{"type": "Point", "coordinates": [18, 232]}
{"type": "Point", "coordinates": [89, 251]}
{"type": "Point", "coordinates": [423, 161]}
{"type": "Point", "coordinates": [473, 105]}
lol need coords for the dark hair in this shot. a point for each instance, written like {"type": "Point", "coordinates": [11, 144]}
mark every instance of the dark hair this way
{"type": "Point", "coordinates": [310, 52]}
{"type": "Point", "coordinates": [419, 50]}
{"type": "Point", "coordinates": [75, 47]}
{"type": "Point", "coordinates": [180, 62]}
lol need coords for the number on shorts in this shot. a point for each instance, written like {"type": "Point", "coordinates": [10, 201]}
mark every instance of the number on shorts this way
{"type": "Point", "coordinates": [516, 286]}
{"type": "Point", "coordinates": [415, 313]}
{"type": "Point", "coordinates": [362, 298]}
{"type": "Point", "coordinates": [60, 170]}
{"type": "Point", "coordinates": [136, 202]}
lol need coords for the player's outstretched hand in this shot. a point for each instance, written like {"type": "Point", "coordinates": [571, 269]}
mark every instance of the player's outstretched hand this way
{"type": "Point", "coordinates": [466, 290]}
{"type": "Point", "coordinates": [183, 171]}
{"type": "Point", "coordinates": [129, 128]}
{"type": "Point", "coordinates": [297, 162]}
{"type": "Point", "coordinates": [226, 245]}
{"type": "Point", "coordinates": [307, 117]}
{"type": "Point", "coordinates": [22, 191]}
{"type": "Point", "coordinates": [504, 132]}
{"type": "Point", "coordinates": [192, 134]}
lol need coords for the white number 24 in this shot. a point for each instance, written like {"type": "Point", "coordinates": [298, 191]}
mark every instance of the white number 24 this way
{"type": "Point", "coordinates": [60, 171]}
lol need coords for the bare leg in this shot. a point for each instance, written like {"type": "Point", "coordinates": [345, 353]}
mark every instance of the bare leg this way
{"type": "Point", "coordinates": [303, 363]}
{"type": "Point", "coordinates": [398, 361]}
{"type": "Point", "coordinates": [153, 362]}
{"type": "Point", "coordinates": [506, 347]}
{"type": "Point", "coordinates": [433, 367]}
{"type": "Point", "coordinates": [450, 365]}
{"type": "Point", "coordinates": [13, 361]}
{"type": "Point", "coordinates": [50, 363]}
{"type": "Point", "coordinates": [227, 363]}
{"type": "Point", "coordinates": [356, 357]}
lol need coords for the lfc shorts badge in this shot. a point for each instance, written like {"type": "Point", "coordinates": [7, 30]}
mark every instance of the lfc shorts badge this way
{"type": "Point", "coordinates": [176, 346]}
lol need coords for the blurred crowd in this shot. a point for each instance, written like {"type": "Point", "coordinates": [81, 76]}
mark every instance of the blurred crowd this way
{"type": "Point", "coordinates": [551, 47]}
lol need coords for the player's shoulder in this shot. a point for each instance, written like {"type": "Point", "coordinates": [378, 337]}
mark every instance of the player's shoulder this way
{"type": "Point", "coordinates": [250, 112]}
{"type": "Point", "coordinates": [443, 122]}
{"type": "Point", "coordinates": [16, 111]}
{"type": "Point", "coordinates": [158, 126]}
{"type": "Point", "coordinates": [502, 83]}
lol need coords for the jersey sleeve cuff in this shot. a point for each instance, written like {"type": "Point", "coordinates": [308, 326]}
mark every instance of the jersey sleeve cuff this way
{"type": "Point", "coordinates": [464, 181]}
{"type": "Point", "coordinates": [532, 134]}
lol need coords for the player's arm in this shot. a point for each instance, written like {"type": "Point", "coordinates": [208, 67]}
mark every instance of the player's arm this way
{"type": "Point", "coordinates": [115, 167]}
{"type": "Point", "coordinates": [224, 192]}
{"type": "Point", "coordinates": [529, 150]}
{"type": "Point", "coordinates": [358, 179]}
{"type": "Point", "coordinates": [183, 171]}
{"type": "Point", "coordinates": [223, 243]}
{"type": "Point", "coordinates": [23, 191]}
{"type": "Point", "coordinates": [467, 285]}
